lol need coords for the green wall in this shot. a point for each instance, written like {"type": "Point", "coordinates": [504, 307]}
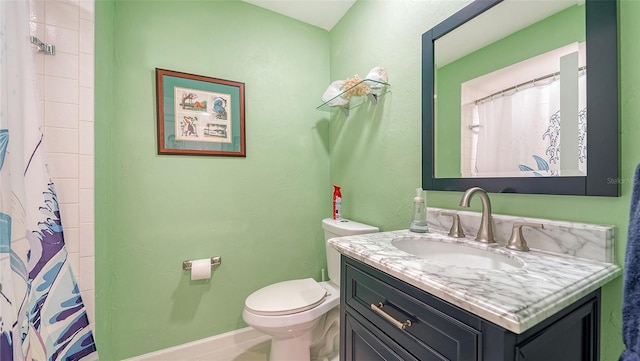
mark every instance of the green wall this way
{"type": "Point", "coordinates": [375, 152]}
{"type": "Point", "coordinates": [560, 29]}
{"type": "Point", "coordinates": [261, 213]}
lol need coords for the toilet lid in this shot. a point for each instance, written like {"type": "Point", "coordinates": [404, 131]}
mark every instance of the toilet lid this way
{"type": "Point", "coordinates": [284, 298]}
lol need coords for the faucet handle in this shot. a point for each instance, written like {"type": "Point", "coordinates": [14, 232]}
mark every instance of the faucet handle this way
{"type": "Point", "coordinates": [517, 241]}
{"type": "Point", "coordinates": [456, 227]}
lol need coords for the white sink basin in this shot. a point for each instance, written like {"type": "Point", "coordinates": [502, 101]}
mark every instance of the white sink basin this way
{"type": "Point", "coordinates": [458, 255]}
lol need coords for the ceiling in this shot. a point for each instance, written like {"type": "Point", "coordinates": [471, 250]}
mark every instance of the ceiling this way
{"type": "Point", "coordinates": [321, 13]}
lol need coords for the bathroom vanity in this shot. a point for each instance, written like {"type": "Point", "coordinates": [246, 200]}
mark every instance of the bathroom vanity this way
{"type": "Point", "coordinates": [399, 304]}
{"type": "Point", "coordinates": [442, 331]}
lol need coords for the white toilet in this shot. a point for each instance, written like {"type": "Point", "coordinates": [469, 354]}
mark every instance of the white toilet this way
{"type": "Point", "coordinates": [296, 313]}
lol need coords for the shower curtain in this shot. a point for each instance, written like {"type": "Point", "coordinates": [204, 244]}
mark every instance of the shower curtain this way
{"type": "Point", "coordinates": [519, 133]}
{"type": "Point", "coordinates": [42, 316]}
{"type": "Point", "coordinates": [511, 128]}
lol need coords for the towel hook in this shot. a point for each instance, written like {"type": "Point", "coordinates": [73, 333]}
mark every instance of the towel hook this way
{"type": "Point", "coordinates": [42, 47]}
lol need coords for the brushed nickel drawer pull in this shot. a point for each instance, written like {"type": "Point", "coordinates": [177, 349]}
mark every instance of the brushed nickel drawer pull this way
{"type": "Point", "coordinates": [398, 324]}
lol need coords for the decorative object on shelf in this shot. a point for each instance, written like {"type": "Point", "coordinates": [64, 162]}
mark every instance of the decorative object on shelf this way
{"type": "Point", "coordinates": [199, 115]}
{"type": "Point", "coordinates": [378, 75]}
{"type": "Point", "coordinates": [332, 96]}
{"type": "Point", "coordinates": [355, 87]}
{"type": "Point", "coordinates": [349, 93]}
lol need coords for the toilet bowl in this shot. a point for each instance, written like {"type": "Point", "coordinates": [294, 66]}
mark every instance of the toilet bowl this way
{"type": "Point", "coordinates": [291, 332]}
{"type": "Point", "coordinates": [290, 311]}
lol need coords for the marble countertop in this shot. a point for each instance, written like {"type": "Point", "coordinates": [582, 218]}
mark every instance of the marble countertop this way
{"type": "Point", "coordinates": [515, 299]}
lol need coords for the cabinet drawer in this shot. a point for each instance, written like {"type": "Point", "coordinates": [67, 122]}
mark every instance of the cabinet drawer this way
{"type": "Point", "coordinates": [433, 333]}
{"type": "Point", "coordinates": [364, 342]}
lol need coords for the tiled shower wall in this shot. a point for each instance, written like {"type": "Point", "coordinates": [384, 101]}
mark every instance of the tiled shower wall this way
{"type": "Point", "coordinates": [66, 84]}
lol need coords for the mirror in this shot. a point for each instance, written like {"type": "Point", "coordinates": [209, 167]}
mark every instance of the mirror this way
{"type": "Point", "coordinates": [477, 75]}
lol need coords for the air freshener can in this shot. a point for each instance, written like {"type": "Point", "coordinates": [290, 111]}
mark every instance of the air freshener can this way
{"type": "Point", "coordinates": [337, 203]}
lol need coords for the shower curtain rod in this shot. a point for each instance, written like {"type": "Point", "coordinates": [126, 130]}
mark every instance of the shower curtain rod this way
{"type": "Point", "coordinates": [515, 87]}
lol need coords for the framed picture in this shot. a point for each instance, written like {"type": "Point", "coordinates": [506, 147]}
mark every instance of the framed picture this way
{"type": "Point", "coordinates": [199, 115]}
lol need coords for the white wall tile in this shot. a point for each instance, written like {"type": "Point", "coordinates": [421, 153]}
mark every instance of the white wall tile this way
{"type": "Point", "coordinates": [86, 138]}
{"type": "Point", "coordinates": [72, 239]}
{"type": "Point", "coordinates": [86, 70]}
{"type": "Point", "coordinates": [88, 298]}
{"type": "Point", "coordinates": [86, 104]}
{"type": "Point", "coordinates": [69, 215]}
{"type": "Point", "coordinates": [38, 61]}
{"type": "Point", "coordinates": [87, 42]}
{"type": "Point", "coordinates": [65, 40]}
{"type": "Point", "coordinates": [67, 189]}
{"type": "Point", "coordinates": [36, 10]}
{"type": "Point", "coordinates": [87, 239]}
{"type": "Point", "coordinates": [63, 165]}
{"type": "Point", "coordinates": [87, 171]}
{"type": "Point", "coordinates": [62, 14]}
{"type": "Point", "coordinates": [86, 206]}
{"type": "Point", "coordinates": [61, 140]}
{"type": "Point", "coordinates": [87, 10]}
{"type": "Point", "coordinates": [60, 90]}
{"type": "Point", "coordinates": [61, 115]}
{"type": "Point", "coordinates": [88, 273]}
{"type": "Point", "coordinates": [37, 29]}
{"type": "Point", "coordinates": [62, 65]}
{"type": "Point", "coordinates": [75, 3]}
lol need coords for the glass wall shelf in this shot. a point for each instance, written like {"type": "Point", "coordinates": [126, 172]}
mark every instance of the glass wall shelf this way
{"type": "Point", "coordinates": [376, 90]}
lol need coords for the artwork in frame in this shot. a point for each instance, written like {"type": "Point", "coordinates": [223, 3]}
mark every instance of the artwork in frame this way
{"type": "Point", "coordinates": [199, 115]}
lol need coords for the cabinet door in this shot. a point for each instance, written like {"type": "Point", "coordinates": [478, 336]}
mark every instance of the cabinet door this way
{"type": "Point", "coordinates": [574, 337]}
{"type": "Point", "coordinates": [366, 343]}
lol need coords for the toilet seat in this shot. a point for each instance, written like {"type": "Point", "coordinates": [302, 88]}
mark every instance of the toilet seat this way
{"type": "Point", "coordinates": [285, 298]}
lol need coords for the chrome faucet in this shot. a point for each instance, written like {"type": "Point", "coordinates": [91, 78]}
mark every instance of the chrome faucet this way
{"type": "Point", "coordinates": [485, 233]}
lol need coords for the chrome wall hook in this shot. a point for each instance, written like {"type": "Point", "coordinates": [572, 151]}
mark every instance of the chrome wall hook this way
{"type": "Point", "coordinates": [42, 47]}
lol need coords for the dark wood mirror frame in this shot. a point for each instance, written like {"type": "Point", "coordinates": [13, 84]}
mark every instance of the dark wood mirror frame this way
{"type": "Point", "coordinates": [602, 177]}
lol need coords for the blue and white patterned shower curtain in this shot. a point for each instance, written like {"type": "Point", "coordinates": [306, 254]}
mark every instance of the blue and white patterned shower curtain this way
{"type": "Point", "coordinates": [42, 316]}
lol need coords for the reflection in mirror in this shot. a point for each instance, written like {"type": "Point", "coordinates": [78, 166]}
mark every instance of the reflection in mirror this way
{"type": "Point", "coordinates": [505, 96]}
{"type": "Point", "coordinates": [504, 128]}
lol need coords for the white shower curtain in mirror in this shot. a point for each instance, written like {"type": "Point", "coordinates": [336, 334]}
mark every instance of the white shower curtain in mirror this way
{"type": "Point", "coordinates": [519, 133]}
{"type": "Point", "coordinates": [42, 316]}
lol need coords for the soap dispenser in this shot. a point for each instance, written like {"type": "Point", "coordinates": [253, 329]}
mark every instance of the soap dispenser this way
{"type": "Point", "coordinates": [419, 223]}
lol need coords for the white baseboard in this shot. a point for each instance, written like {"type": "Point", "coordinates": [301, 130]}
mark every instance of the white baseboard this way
{"type": "Point", "coordinates": [245, 344]}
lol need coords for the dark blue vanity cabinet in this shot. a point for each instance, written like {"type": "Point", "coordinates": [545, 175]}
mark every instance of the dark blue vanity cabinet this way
{"type": "Point", "coordinates": [375, 306]}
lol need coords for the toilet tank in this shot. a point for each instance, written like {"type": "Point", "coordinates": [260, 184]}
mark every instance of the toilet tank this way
{"type": "Point", "coordinates": [334, 228]}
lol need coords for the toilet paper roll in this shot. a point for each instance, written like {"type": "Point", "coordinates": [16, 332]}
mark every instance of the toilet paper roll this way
{"type": "Point", "coordinates": [201, 269]}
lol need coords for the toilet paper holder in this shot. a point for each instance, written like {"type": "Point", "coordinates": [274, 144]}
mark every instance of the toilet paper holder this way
{"type": "Point", "coordinates": [215, 261]}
